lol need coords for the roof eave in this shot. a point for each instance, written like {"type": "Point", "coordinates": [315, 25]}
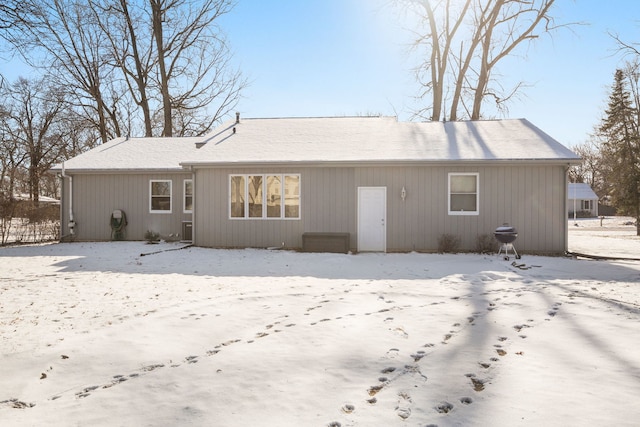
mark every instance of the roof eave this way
{"type": "Point", "coordinates": [360, 163]}
{"type": "Point", "coordinates": [105, 171]}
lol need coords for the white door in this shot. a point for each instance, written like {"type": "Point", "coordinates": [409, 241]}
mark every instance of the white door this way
{"type": "Point", "coordinates": [372, 219]}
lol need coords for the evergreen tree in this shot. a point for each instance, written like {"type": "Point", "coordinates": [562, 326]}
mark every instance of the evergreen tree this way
{"type": "Point", "coordinates": [621, 149]}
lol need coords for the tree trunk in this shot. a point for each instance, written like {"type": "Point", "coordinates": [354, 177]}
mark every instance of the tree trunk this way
{"type": "Point", "coordinates": [485, 72]}
{"type": "Point", "coordinates": [164, 81]}
{"type": "Point", "coordinates": [436, 67]}
{"type": "Point", "coordinates": [141, 75]}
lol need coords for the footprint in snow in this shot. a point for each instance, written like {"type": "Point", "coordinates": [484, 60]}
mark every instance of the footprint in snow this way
{"type": "Point", "coordinates": [17, 404]}
{"type": "Point", "coordinates": [373, 390]}
{"type": "Point", "coordinates": [444, 408]}
{"type": "Point", "coordinates": [418, 355]}
{"type": "Point", "coordinates": [393, 352]}
{"type": "Point", "coordinates": [348, 408]}
{"type": "Point", "coordinates": [478, 384]}
{"type": "Point", "coordinates": [400, 331]}
{"type": "Point", "coordinates": [150, 368]}
{"type": "Point", "coordinates": [403, 407]}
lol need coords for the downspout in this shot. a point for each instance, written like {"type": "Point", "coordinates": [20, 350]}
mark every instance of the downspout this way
{"type": "Point", "coordinates": [193, 205]}
{"type": "Point", "coordinates": [565, 222]}
{"type": "Point", "coordinates": [72, 223]}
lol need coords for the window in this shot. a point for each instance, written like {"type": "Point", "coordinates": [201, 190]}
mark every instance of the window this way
{"type": "Point", "coordinates": [187, 205]}
{"type": "Point", "coordinates": [255, 196]}
{"type": "Point", "coordinates": [160, 196]}
{"type": "Point", "coordinates": [587, 205]}
{"type": "Point", "coordinates": [264, 196]}
{"type": "Point", "coordinates": [463, 194]}
{"type": "Point", "coordinates": [237, 196]}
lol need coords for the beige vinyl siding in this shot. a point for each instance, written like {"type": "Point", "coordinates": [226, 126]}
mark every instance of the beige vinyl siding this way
{"type": "Point", "coordinates": [96, 196]}
{"type": "Point", "coordinates": [529, 197]}
{"type": "Point", "coordinates": [213, 226]}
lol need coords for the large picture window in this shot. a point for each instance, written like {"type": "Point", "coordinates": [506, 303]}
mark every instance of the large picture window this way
{"type": "Point", "coordinates": [160, 196]}
{"type": "Point", "coordinates": [264, 196]}
{"type": "Point", "coordinates": [463, 194]}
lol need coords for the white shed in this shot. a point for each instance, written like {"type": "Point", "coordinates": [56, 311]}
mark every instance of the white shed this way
{"type": "Point", "coordinates": [582, 200]}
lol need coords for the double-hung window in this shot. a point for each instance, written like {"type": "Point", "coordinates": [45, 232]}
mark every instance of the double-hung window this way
{"type": "Point", "coordinates": [587, 205]}
{"type": "Point", "coordinates": [160, 196]}
{"type": "Point", "coordinates": [273, 196]}
{"type": "Point", "coordinates": [463, 194]}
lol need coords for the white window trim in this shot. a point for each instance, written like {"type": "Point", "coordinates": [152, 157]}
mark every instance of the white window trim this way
{"type": "Point", "coordinates": [477, 211]}
{"type": "Point", "coordinates": [184, 195]}
{"type": "Point", "coordinates": [264, 197]}
{"type": "Point", "coordinates": [151, 210]}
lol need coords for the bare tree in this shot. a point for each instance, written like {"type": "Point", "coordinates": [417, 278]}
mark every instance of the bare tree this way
{"type": "Point", "coordinates": [13, 157]}
{"type": "Point", "coordinates": [193, 63]}
{"type": "Point", "coordinates": [32, 124]}
{"type": "Point", "coordinates": [130, 50]}
{"type": "Point", "coordinates": [442, 31]}
{"type": "Point", "coordinates": [624, 47]}
{"type": "Point", "coordinates": [484, 32]}
{"type": "Point", "coordinates": [11, 13]}
{"type": "Point", "coordinates": [164, 58]}
{"type": "Point", "coordinates": [590, 170]}
{"type": "Point", "coordinates": [74, 52]}
{"type": "Point", "coordinates": [174, 59]}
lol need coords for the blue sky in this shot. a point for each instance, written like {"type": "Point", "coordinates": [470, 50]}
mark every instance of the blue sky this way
{"type": "Point", "coordinates": [349, 57]}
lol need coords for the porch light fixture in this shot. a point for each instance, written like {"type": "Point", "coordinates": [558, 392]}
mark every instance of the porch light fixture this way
{"type": "Point", "coordinates": [403, 194]}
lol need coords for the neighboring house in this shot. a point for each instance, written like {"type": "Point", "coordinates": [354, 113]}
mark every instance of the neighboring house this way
{"type": "Point", "coordinates": [582, 200]}
{"type": "Point", "coordinates": [384, 185]}
{"type": "Point", "coordinates": [41, 199]}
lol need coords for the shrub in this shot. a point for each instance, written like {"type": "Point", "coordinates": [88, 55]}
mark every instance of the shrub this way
{"type": "Point", "coordinates": [485, 243]}
{"type": "Point", "coordinates": [27, 221]}
{"type": "Point", "coordinates": [581, 214]}
{"type": "Point", "coordinates": [448, 243]}
{"type": "Point", "coordinates": [151, 236]}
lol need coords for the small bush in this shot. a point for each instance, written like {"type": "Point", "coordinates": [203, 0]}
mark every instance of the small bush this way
{"type": "Point", "coordinates": [485, 243]}
{"type": "Point", "coordinates": [448, 243]}
{"type": "Point", "coordinates": [581, 214]}
{"type": "Point", "coordinates": [27, 221]}
{"type": "Point", "coordinates": [151, 236]}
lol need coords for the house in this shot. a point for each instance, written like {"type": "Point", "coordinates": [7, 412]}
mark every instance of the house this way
{"type": "Point", "coordinates": [359, 183]}
{"type": "Point", "coordinates": [582, 200]}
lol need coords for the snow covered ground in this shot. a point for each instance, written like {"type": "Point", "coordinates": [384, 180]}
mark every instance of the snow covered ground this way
{"type": "Point", "coordinates": [613, 236]}
{"type": "Point", "coordinates": [95, 334]}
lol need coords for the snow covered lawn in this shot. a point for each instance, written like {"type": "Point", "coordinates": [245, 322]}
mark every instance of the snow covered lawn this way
{"type": "Point", "coordinates": [94, 334]}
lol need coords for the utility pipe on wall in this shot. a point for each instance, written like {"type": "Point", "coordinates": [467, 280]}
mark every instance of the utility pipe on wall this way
{"type": "Point", "coordinates": [72, 223]}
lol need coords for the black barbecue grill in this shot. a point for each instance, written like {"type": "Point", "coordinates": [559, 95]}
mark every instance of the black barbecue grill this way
{"type": "Point", "coordinates": [506, 235]}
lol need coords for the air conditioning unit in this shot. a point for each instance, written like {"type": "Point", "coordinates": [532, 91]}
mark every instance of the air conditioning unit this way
{"type": "Point", "coordinates": [187, 231]}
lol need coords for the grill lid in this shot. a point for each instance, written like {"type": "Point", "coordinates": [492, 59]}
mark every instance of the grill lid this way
{"type": "Point", "coordinates": [506, 229]}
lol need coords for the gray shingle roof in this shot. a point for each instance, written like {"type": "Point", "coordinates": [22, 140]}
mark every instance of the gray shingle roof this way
{"type": "Point", "coordinates": [581, 191]}
{"type": "Point", "coordinates": [331, 140]}
{"type": "Point", "coordinates": [140, 154]}
{"type": "Point", "coordinates": [376, 139]}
